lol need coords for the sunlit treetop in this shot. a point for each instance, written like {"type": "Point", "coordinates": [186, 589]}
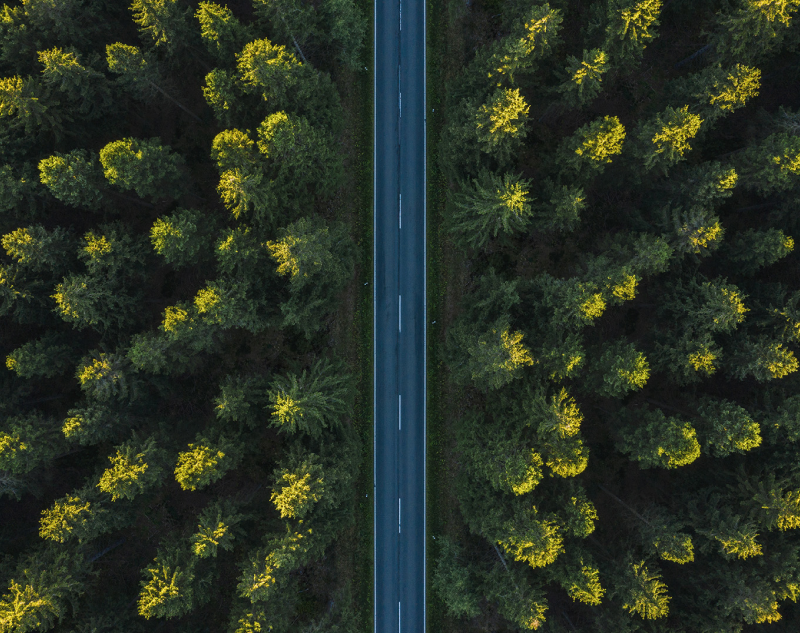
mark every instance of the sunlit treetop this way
{"type": "Point", "coordinates": [584, 77]}
{"type": "Point", "coordinates": [531, 38]}
{"type": "Point", "coordinates": [678, 128]}
{"type": "Point", "coordinates": [741, 84]}
{"type": "Point", "coordinates": [503, 115]}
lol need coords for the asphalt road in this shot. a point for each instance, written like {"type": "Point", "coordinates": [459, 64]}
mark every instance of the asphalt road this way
{"type": "Point", "coordinates": [400, 319]}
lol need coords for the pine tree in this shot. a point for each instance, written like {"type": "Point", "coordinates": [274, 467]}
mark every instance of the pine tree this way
{"type": "Point", "coordinates": [246, 192]}
{"type": "Point", "coordinates": [560, 416]}
{"type": "Point", "coordinates": [222, 92]}
{"type": "Point", "coordinates": [643, 592]}
{"type": "Point", "coordinates": [763, 358]}
{"type": "Point", "coordinates": [208, 459]}
{"type": "Point", "coordinates": [218, 528]}
{"type": "Point", "coordinates": [661, 532]}
{"type": "Point", "coordinates": [735, 536]}
{"type": "Point", "coordinates": [631, 25]}
{"type": "Point", "coordinates": [316, 400]}
{"type": "Point", "coordinates": [565, 456]}
{"type": "Point", "coordinates": [492, 358]}
{"type": "Point", "coordinates": [659, 441]}
{"type": "Point", "coordinates": [181, 238]}
{"type": "Point", "coordinates": [27, 441]}
{"type": "Point", "coordinates": [755, 29]}
{"type": "Point", "coordinates": [532, 38]}
{"type": "Point", "coordinates": [85, 300]}
{"type": "Point", "coordinates": [523, 604]}
{"type": "Point", "coordinates": [754, 249]}
{"type": "Point", "coordinates": [720, 91]}
{"type": "Point", "coordinates": [299, 158]}
{"type": "Point", "coordinates": [143, 166]}
{"type": "Point", "coordinates": [85, 87]}
{"type": "Point", "coordinates": [501, 123]}
{"type": "Point", "coordinates": [454, 580]}
{"type": "Point", "coordinates": [173, 585]}
{"type": "Point", "coordinates": [620, 369]}
{"type": "Point", "coordinates": [137, 465]}
{"type": "Point", "coordinates": [239, 252]}
{"type": "Point", "coordinates": [499, 457]}
{"type": "Point", "coordinates": [223, 34]}
{"type": "Point", "coordinates": [95, 422]}
{"type": "Point", "coordinates": [270, 70]}
{"type": "Point", "coordinates": [578, 576]}
{"type": "Point", "coordinates": [771, 166]}
{"type": "Point", "coordinates": [46, 356]}
{"type": "Point", "coordinates": [104, 377]}
{"type": "Point", "coordinates": [716, 306]}
{"type": "Point", "coordinates": [43, 591]}
{"type": "Point", "coordinates": [81, 516]}
{"type": "Point", "coordinates": [266, 573]}
{"type": "Point", "coordinates": [563, 213]}
{"type": "Point", "coordinates": [74, 178]}
{"type": "Point", "coordinates": [525, 537]}
{"type": "Point", "coordinates": [297, 489]}
{"type": "Point", "coordinates": [593, 146]}
{"type": "Point", "coordinates": [318, 260]}
{"type": "Point", "coordinates": [165, 22]}
{"type": "Point", "coordinates": [728, 428]}
{"type": "Point", "coordinates": [775, 506]}
{"type": "Point", "coordinates": [571, 302]}
{"type": "Point", "coordinates": [665, 139]}
{"type": "Point", "coordinates": [584, 78]}
{"type": "Point", "coordinates": [31, 104]}
{"type": "Point", "coordinates": [348, 28]}
{"type": "Point", "coordinates": [234, 149]}
{"type": "Point", "coordinates": [35, 248]}
{"type": "Point", "coordinates": [489, 205]}
{"type": "Point", "coordinates": [579, 514]}
{"type": "Point", "coordinates": [241, 399]}
{"type": "Point", "coordinates": [17, 189]}
{"type": "Point", "coordinates": [696, 230]}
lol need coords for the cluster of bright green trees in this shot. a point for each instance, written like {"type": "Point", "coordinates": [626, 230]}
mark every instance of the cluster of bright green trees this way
{"type": "Point", "coordinates": [176, 439]}
{"type": "Point", "coordinates": [624, 180]}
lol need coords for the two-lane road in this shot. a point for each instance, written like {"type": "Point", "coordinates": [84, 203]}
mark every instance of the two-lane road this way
{"type": "Point", "coordinates": [400, 319]}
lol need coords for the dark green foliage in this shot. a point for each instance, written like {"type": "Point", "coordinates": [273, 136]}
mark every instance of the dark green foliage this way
{"type": "Point", "coordinates": [616, 315]}
{"type": "Point", "coordinates": [145, 167]}
{"type": "Point", "coordinates": [44, 589]}
{"type": "Point", "coordinates": [314, 401]}
{"type": "Point", "coordinates": [150, 152]}
{"type": "Point", "coordinates": [73, 178]}
{"type": "Point", "coordinates": [454, 581]}
{"type": "Point", "coordinates": [46, 356]}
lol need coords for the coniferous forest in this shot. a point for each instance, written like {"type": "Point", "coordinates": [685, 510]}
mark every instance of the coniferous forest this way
{"type": "Point", "coordinates": [618, 428]}
{"type": "Point", "coordinates": [180, 255]}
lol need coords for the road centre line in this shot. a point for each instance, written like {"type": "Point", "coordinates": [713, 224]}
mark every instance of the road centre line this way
{"type": "Point", "coordinates": [399, 412]}
{"type": "Point", "coordinates": [398, 515]}
{"type": "Point", "coordinates": [401, 211]}
{"type": "Point", "coordinates": [399, 313]}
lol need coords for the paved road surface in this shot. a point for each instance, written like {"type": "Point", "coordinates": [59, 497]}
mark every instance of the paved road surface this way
{"type": "Point", "coordinates": [399, 292]}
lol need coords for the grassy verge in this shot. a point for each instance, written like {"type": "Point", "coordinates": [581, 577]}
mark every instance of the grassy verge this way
{"type": "Point", "coordinates": [354, 550]}
{"type": "Point", "coordinates": [435, 207]}
{"type": "Point", "coordinates": [363, 584]}
{"type": "Point", "coordinates": [364, 322]}
{"type": "Point", "coordinates": [444, 51]}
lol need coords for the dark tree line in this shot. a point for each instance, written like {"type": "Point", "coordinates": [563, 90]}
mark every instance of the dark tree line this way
{"type": "Point", "coordinates": [624, 180]}
{"type": "Point", "coordinates": [176, 438]}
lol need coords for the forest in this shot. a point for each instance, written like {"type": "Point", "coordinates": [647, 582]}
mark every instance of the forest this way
{"type": "Point", "coordinates": [616, 426]}
{"type": "Point", "coordinates": [182, 438]}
